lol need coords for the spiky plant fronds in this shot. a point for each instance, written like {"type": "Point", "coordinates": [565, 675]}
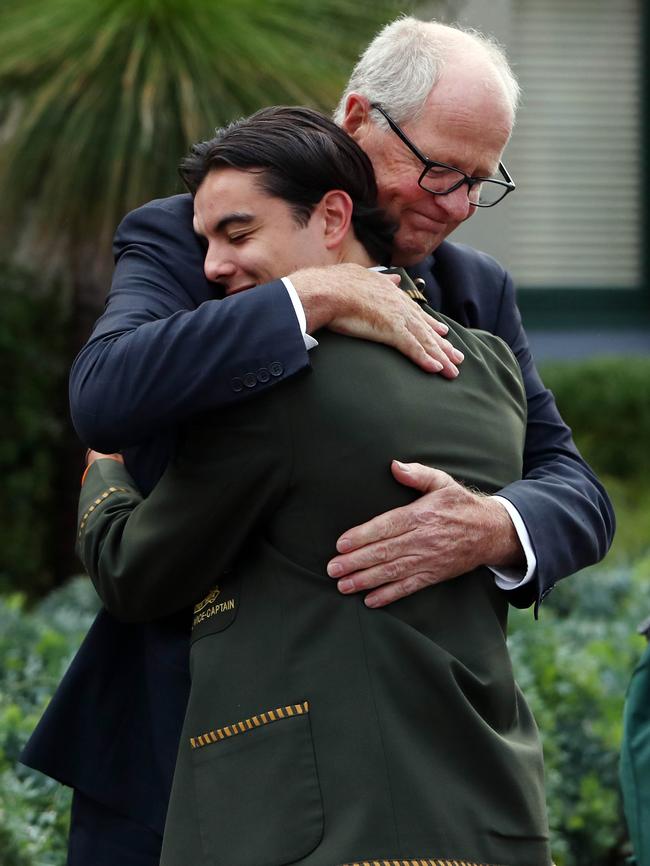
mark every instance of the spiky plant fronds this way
{"type": "Point", "coordinates": [100, 98]}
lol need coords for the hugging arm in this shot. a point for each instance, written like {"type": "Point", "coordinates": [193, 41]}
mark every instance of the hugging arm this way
{"type": "Point", "coordinates": [565, 508]}
{"type": "Point", "coordinates": [165, 347]}
{"type": "Point", "coordinates": [151, 557]}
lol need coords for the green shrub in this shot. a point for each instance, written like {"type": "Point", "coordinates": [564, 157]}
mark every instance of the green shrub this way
{"type": "Point", "coordinates": [33, 409]}
{"type": "Point", "coordinates": [606, 402]}
{"type": "Point", "coordinates": [36, 647]}
{"type": "Point", "coordinates": [574, 666]}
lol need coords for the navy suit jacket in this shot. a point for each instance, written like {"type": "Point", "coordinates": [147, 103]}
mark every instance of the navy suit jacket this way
{"type": "Point", "coordinates": [166, 348]}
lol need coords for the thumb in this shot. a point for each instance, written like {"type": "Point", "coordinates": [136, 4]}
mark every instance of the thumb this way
{"type": "Point", "coordinates": [422, 478]}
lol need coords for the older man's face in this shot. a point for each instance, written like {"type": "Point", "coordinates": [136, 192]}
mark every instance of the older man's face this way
{"type": "Point", "coordinates": [466, 123]}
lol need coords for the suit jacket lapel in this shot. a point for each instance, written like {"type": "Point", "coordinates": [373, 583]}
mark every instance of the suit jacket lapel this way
{"type": "Point", "coordinates": [424, 271]}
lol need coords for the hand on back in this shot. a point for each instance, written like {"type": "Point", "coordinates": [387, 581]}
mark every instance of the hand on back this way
{"type": "Point", "coordinates": [366, 304]}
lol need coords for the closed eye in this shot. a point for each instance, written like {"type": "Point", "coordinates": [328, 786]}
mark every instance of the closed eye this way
{"type": "Point", "coordinates": [239, 238]}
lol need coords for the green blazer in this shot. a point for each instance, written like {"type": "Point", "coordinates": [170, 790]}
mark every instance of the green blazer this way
{"type": "Point", "coordinates": [319, 731]}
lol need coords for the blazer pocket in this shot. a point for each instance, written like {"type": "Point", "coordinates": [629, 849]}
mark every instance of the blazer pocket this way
{"type": "Point", "coordinates": [257, 791]}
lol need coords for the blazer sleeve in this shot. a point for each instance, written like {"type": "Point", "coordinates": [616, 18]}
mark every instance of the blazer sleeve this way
{"type": "Point", "coordinates": [150, 557]}
{"type": "Point", "coordinates": [165, 347]}
{"type": "Point", "coordinates": [566, 510]}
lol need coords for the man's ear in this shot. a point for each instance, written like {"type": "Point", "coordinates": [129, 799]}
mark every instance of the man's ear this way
{"type": "Point", "coordinates": [357, 115]}
{"type": "Point", "coordinates": [336, 212]}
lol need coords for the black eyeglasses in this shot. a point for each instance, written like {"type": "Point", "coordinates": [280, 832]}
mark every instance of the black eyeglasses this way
{"type": "Point", "coordinates": [438, 178]}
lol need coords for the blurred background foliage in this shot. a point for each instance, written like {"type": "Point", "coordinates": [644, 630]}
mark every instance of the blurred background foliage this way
{"type": "Point", "coordinates": [35, 647]}
{"type": "Point", "coordinates": [33, 407]}
{"type": "Point", "coordinates": [98, 101]}
{"type": "Point", "coordinates": [574, 666]}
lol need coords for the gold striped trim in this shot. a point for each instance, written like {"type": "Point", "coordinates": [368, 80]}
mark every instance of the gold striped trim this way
{"type": "Point", "coordinates": [416, 862]}
{"type": "Point", "coordinates": [108, 492]}
{"type": "Point", "coordinates": [241, 727]}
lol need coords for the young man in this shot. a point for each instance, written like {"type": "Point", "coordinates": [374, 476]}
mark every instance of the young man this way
{"type": "Point", "coordinates": [318, 730]}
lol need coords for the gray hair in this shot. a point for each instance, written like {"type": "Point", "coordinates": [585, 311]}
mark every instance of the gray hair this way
{"type": "Point", "coordinates": [406, 59]}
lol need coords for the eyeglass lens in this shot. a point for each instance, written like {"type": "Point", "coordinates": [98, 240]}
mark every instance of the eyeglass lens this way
{"type": "Point", "coordinates": [439, 179]}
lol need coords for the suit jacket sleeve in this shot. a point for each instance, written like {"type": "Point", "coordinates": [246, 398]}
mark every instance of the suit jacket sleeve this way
{"type": "Point", "coordinates": [165, 347]}
{"type": "Point", "coordinates": [566, 510]}
{"type": "Point", "coordinates": [152, 557]}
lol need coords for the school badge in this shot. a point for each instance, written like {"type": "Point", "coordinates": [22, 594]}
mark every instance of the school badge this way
{"type": "Point", "coordinates": [217, 610]}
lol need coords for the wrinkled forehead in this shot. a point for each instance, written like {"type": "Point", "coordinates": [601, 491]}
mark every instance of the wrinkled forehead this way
{"type": "Point", "coordinates": [459, 122]}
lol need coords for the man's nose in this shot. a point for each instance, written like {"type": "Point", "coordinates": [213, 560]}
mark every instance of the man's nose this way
{"type": "Point", "coordinates": [218, 266]}
{"type": "Point", "coordinates": [456, 204]}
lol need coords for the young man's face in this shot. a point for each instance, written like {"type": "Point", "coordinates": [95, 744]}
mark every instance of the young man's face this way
{"type": "Point", "coordinates": [252, 237]}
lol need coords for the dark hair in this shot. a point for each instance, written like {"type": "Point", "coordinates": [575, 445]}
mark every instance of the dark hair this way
{"type": "Point", "coordinates": [301, 154]}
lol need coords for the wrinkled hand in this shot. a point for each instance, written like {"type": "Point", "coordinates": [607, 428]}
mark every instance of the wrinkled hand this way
{"type": "Point", "coordinates": [446, 532]}
{"type": "Point", "coordinates": [91, 456]}
{"type": "Point", "coordinates": [358, 302]}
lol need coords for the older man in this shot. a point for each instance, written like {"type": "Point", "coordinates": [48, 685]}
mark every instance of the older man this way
{"type": "Point", "coordinates": [433, 108]}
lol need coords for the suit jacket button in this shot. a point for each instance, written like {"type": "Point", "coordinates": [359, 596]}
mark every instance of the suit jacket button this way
{"type": "Point", "coordinates": [276, 368]}
{"type": "Point", "coordinates": [250, 380]}
{"type": "Point", "coordinates": [263, 375]}
{"type": "Point", "coordinates": [237, 384]}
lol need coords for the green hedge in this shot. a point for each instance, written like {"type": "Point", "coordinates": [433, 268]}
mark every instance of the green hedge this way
{"type": "Point", "coordinates": [36, 647]}
{"type": "Point", "coordinates": [32, 408]}
{"type": "Point", "coordinates": [573, 665]}
{"type": "Point", "coordinates": [606, 402]}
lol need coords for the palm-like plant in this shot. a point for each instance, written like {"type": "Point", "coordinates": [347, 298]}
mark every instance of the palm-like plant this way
{"type": "Point", "coordinates": [99, 99]}
{"type": "Point", "coordinates": [102, 97]}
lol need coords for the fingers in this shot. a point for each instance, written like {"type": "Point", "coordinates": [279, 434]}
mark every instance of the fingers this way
{"type": "Point", "coordinates": [429, 359]}
{"type": "Point", "coordinates": [392, 579]}
{"type": "Point", "coordinates": [422, 478]}
{"type": "Point", "coordinates": [385, 526]}
{"type": "Point", "coordinates": [429, 335]}
{"type": "Point", "coordinates": [366, 569]}
{"type": "Point", "coordinates": [367, 306]}
{"type": "Point", "coordinates": [362, 560]}
{"type": "Point", "coordinates": [91, 456]}
{"type": "Point", "coordinates": [389, 582]}
{"type": "Point", "coordinates": [391, 592]}
{"type": "Point", "coordinates": [395, 523]}
{"type": "Point", "coordinates": [429, 350]}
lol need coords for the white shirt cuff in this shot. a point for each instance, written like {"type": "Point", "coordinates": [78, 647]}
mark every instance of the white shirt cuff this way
{"type": "Point", "coordinates": [512, 578]}
{"type": "Point", "coordinates": [310, 343]}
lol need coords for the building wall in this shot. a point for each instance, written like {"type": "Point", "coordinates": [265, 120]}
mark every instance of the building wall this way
{"type": "Point", "coordinates": [573, 234]}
